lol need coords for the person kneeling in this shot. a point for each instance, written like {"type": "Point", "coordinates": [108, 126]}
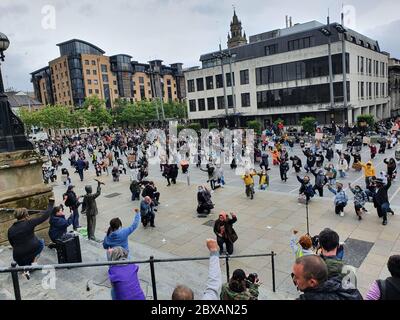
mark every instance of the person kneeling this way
{"type": "Point", "coordinates": [59, 225]}
{"type": "Point", "coordinates": [147, 212]}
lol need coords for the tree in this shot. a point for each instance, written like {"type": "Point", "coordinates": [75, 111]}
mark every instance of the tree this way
{"type": "Point", "coordinates": [29, 118]}
{"type": "Point", "coordinates": [255, 125]}
{"type": "Point", "coordinates": [212, 125]}
{"type": "Point", "coordinates": [54, 117]}
{"type": "Point", "coordinates": [308, 124]}
{"type": "Point", "coordinates": [278, 121]}
{"type": "Point", "coordinates": [366, 118]}
{"type": "Point", "coordinates": [95, 112]}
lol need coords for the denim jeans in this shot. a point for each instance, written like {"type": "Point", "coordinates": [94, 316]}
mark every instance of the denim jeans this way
{"type": "Point", "coordinates": [40, 249]}
{"type": "Point", "coordinates": [342, 173]}
{"type": "Point", "coordinates": [75, 219]}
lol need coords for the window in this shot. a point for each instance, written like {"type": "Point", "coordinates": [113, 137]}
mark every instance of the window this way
{"type": "Point", "coordinates": [230, 101]}
{"type": "Point", "coordinates": [370, 90]}
{"type": "Point", "coordinates": [202, 104]}
{"type": "Point", "coordinates": [192, 105]}
{"type": "Point", "coordinates": [370, 67]}
{"type": "Point", "coordinates": [211, 103]}
{"type": "Point", "coordinates": [219, 81]}
{"type": "Point", "coordinates": [89, 81]}
{"type": "Point", "coordinates": [244, 77]}
{"type": "Point", "coordinates": [362, 90]}
{"type": "Point", "coordinates": [229, 80]}
{"type": "Point", "coordinates": [141, 80]}
{"type": "Point", "coordinates": [87, 62]}
{"type": "Point", "coordinates": [168, 82]}
{"type": "Point", "coordinates": [382, 89]}
{"type": "Point", "coordinates": [220, 102]}
{"type": "Point", "coordinates": [376, 89]}
{"type": "Point", "coordinates": [104, 68]}
{"type": "Point", "coordinates": [191, 86]}
{"type": "Point", "coordinates": [93, 62]}
{"type": "Point", "coordinates": [57, 76]}
{"type": "Point", "coordinates": [96, 82]}
{"type": "Point", "coordinates": [97, 91]}
{"type": "Point", "coordinates": [87, 72]}
{"type": "Point", "coordinates": [271, 49]}
{"type": "Point", "coordinates": [315, 94]}
{"type": "Point", "coordinates": [95, 72]}
{"type": "Point", "coordinates": [200, 85]}
{"type": "Point", "coordinates": [298, 44]}
{"type": "Point", "coordinates": [90, 91]}
{"type": "Point", "coordinates": [245, 100]}
{"type": "Point", "coordinates": [115, 83]}
{"type": "Point", "coordinates": [105, 78]}
{"type": "Point", "coordinates": [209, 83]}
{"type": "Point", "coordinates": [65, 64]}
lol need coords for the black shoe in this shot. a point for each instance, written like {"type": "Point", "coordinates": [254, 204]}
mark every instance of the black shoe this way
{"type": "Point", "coordinates": [359, 218]}
{"type": "Point", "coordinates": [52, 246]}
{"type": "Point", "coordinates": [153, 226]}
{"type": "Point", "coordinates": [384, 222]}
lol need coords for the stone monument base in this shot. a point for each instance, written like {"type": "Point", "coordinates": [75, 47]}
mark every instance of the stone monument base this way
{"type": "Point", "coordinates": [21, 186]}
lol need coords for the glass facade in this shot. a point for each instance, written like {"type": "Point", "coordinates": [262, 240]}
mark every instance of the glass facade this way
{"type": "Point", "coordinates": [219, 81]}
{"type": "Point", "coordinates": [305, 69]}
{"type": "Point", "coordinates": [79, 47]}
{"type": "Point", "coordinates": [245, 99]}
{"type": "Point", "coordinates": [202, 104]}
{"type": "Point", "coordinates": [300, 95]}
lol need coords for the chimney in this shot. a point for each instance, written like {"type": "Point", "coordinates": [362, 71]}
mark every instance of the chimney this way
{"type": "Point", "coordinates": [287, 21]}
{"type": "Point", "coordinates": [291, 23]}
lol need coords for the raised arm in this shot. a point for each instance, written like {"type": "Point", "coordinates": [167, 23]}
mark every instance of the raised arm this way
{"type": "Point", "coordinates": [44, 216]}
{"type": "Point", "coordinates": [214, 281]}
{"type": "Point", "coordinates": [127, 231]}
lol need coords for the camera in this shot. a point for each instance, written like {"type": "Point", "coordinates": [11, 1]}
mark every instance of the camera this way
{"type": "Point", "coordinates": [251, 279]}
{"type": "Point", "coordinates": [315, 241]}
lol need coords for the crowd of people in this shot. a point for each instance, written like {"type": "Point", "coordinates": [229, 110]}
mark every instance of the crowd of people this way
{"type": "Point", "coordinates": [318, 269]}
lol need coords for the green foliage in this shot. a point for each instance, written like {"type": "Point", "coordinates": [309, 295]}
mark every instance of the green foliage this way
{"type": "Point", "coordinates": [368, 118]}
{"type": "Point", "coordinates": [195, 126]}
{"type": "Point", "coordinates": [29, 118]}
{"type": "Point", "coordinates": [212, 125]}
{"type": "Point", "coordinates": [308, 124]}
{"type": "Point", "coordinates": [54, 117]}
{"type": "Point", "coordinates": [179, 128]}
{"type": "Point", "coordinates": [255, 125]}
{"type": "Point", "coordinates": [278, 121]}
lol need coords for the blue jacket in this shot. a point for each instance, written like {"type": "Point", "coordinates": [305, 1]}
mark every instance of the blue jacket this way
{"type": "Point", "coordinates": [80, 164]}
{"type": "Point", "coordinates": [340, 197]}
{"type": "Point", "coordinates": [58, 226]}
{"type": "Point", "coordinates": [119, 238]}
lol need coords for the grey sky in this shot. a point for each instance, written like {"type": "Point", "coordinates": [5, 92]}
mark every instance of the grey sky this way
{"type": "Point", "coordinates": [171, 30]}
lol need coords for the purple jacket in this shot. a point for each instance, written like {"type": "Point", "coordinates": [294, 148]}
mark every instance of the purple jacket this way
{"type": "Point", "coordinates": [125, 282]}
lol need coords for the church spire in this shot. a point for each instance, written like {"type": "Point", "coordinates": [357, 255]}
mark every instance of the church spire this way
{"type": "Point", "coordinates": [236, 37]}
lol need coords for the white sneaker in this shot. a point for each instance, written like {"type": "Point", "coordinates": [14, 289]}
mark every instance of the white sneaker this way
{"type": "Point", "coordinates": [342, 214]}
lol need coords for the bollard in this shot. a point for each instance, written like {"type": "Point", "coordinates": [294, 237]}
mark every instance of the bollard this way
{"type": "Point", "coordinates": [153, 278]}
{"type": "Point", "coordinates": [15, 280]}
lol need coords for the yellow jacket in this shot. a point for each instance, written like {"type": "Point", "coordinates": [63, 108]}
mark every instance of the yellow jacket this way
{"type": "Point", "coordinates": [248, 180]}
{"type": "Point", "coordinates": [369, 171]}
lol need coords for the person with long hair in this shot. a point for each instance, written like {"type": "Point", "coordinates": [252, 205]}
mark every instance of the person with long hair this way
{"type": "Point", "coordinates": [117, 236]}
{"type": "Point", "coordinates": [240, 287]}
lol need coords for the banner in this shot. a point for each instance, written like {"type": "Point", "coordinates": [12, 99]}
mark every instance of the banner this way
{"type": "Point", "coordinates": [319, 136]}
{"type": "Point", "coordinates": [366, 140]}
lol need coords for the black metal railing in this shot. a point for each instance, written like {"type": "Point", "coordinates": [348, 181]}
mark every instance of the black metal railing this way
{"type": "Point", "coordinates": [15, 269]}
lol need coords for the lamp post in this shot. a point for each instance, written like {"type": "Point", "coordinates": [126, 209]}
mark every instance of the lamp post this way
{"type": "Point", "coordinates": [12, 133]}
{"type": "Point", "coordinates": [221, 55]}
{"type": "Point", "coordinates": [340, 29]}
{"type": "Point", "coordinates": [326, 31]}
{"type": "Point", "coordinates": [230, 55]}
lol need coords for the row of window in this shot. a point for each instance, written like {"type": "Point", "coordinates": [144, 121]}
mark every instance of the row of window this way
{"type": "Point", "coordinates": [201, 103]}
{"type": "Point", "coordinates": [365, 66]}
{"type": "Point", "coordinates": [209, 81]}
{"type": "Point", "coordinates": [315, 94]}
{"type": "Point", "coordinates": [368, 90]}
{"type": "Point", "coordinates": [305, 69]}
{"type": "Point", "coordinates": [60, 64]}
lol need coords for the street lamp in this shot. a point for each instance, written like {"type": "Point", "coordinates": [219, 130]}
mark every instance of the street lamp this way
{"type": "Point", "coordinates": [326, 31]}
{"type": "Point", "coordinates": [12, 133]}
{"type": "Point", "coordinates": [340, 29]}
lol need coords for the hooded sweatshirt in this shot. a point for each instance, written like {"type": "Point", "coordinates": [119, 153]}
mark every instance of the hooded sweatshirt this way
{"type": "Point", "coordinates": [369, 171]}
{"type": "Point", "coordinates": [119, 238]}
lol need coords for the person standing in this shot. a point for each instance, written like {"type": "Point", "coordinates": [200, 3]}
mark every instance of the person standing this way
{"type": "Point", "coordinates": [381, 199]}
{"type": "Point", "coordinates": [343, 166]}
{"type": "Point", "coordinates": [72, 202]}
{"type": "Point", "coordinates": [320, 181]}
{"type": "Point", "coordinates": [89, 207]}
{"type": "Point", "coordinates": [388, 289]}
{"type": "Point", "coordinates": [283, 168]}
{"type": "Point", "coordinates": [369, 172]}
{"type": "Point", "coordinates": [223, 228]}
{"type": "Point", "coordinates": [80, 166]}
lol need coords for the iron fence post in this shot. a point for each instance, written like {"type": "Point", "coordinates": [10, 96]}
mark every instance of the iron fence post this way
{"type": "Point", "coordinates": [15, 280]}
{"type": "Point", "coordinates": [227, 266]}
{"type": "Point", "coordinates": [273, 270]}
{"type": "Point", "coordinates": [153, 278]}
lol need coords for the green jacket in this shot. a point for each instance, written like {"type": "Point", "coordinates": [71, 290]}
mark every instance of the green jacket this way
{"type": "Point", "coordinates": [335, 267]}
{"type": "Point", "coordinates": [250, 294]}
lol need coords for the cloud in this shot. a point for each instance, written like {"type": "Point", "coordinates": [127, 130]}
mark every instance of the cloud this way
{"type": "Point", "coordinates": [171, 30]}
